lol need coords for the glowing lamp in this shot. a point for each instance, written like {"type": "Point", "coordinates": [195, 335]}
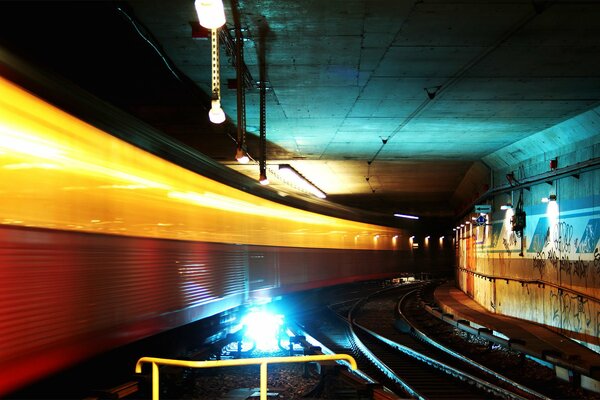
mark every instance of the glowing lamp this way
{"type": "Point", "coordinates": [241, 156]}
{"type": "Point", "coordinates": [296, 179]}
{"type": "Point", "coordinates": [211, 13]}
{"type": "Point", "coordinates": [216, 115]}
{"type": "Point", "coordinates": [406, 216]}
{"type": "Point", "coordinates": [263, 179]}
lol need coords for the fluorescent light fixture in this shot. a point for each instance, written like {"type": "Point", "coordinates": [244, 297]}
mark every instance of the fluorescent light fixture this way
{"type": "Point", "coordinates": [506, 206]}
{"type": "Point", "coordinates": [406, 216]}
{"type": "Point", "coordinates": [296, 179]}
{"type": "Point", "coordinates": [241, 156]}
{"type": "Point", "coordinates": [211, 13]}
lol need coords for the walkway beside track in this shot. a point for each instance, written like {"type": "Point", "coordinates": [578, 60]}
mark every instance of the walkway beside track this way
{"type": "Point", "coordinates": [525, 336]}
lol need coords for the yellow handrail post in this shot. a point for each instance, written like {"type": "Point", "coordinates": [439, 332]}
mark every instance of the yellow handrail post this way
{"type": "Point", "coordinates": [263, 380]}
{"type": "Point", "coordinates": [263, 362]}
{"type": "Point", "coordinates": [154, 381]}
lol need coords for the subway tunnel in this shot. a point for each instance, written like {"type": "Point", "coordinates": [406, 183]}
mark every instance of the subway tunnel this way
{"type": "Point", "coordinates": [456, 138]}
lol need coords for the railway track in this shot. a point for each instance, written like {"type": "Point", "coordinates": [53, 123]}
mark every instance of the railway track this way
{"type": "Point", "coordinates": [403, 363]}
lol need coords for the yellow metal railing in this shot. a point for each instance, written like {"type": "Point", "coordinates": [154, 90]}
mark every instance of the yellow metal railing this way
{"type": "Point", "coordinates": [231, 363]}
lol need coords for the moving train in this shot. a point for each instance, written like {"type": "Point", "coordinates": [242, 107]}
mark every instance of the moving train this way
{"type": "Point", "coordinates": [103, 242]}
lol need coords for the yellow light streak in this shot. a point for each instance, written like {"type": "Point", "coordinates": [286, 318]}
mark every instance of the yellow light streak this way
{"type": "Point", "coordinates": [59, 172]}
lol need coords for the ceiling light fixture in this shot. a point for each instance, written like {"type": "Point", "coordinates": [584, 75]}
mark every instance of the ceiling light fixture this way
{"type": "Point", "coordinates": [211, 13]}
{"type": "Point", "coordinates": [241, 156]}
{"type": "Point", "coordinates": [263, 179]}
{"type": "Point", "coordinates": [216, 113]}
{"type": "Point", "coordinates": [406, 216]}
{"type": "Point", "coordinates": [296, 179]}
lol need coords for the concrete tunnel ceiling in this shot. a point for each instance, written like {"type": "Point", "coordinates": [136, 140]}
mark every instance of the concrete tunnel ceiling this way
{"type": "Point", "coordinates": [444, 84]}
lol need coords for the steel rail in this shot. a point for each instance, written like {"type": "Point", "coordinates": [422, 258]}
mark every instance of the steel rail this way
{"type": "Point", "coordinates": [485, 385]}
{"type": "Point", "coordinates": [422, 336]}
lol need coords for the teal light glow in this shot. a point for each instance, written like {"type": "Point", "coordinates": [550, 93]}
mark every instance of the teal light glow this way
{"type": "Point", "coordinates": [263, 328]}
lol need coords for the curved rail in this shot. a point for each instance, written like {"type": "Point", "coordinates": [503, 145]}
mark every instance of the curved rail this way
{"type": "Point", "coordinates": [422, 336]}
{"type": "Point", "coordinates": [448, 369]}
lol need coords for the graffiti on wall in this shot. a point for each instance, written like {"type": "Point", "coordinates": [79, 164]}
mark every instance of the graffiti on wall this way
{"type": "Point", "coordinates": [560, 250]}
{"type": "Point", "coordinates": [556, 248]}
{"type": "Point", "coordinates": [572, 313]}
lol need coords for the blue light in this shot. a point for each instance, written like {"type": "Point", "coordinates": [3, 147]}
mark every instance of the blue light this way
{"type": "Point", "coordinates": [263, 328]}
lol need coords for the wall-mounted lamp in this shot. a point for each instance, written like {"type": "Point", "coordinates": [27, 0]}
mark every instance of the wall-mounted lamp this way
{"type": "Point", "coordinates": [296, 179]}
{"type": "Point", "coordinates": [467, 222]}
{"type": "Point", "coordinates": [549, 199]}
{"type": "Point", "coordinates": [210, 13]}
{"type": "Point", "coordinates": [406, 216]}
{"type": "Point", "coordinates": [506, 206]}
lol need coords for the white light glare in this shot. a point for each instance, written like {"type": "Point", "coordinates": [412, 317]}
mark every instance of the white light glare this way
{"type": "Point", "coordinates": [406, 216]}
{"type": "Point", "coordinates": [263, 328]}
{"type": "Point", "coordinates": [241, 156]}
{"type": "Point", "coordinates": [549, 199]}
{"type": "Point", "coordinates": [216, 115]}
{"type": "Point", "coordinates": [211, 13]}
{"type": "Point", "coordinates": [291, 175]}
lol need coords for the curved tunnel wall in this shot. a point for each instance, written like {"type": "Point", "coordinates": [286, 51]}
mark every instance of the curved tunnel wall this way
{"type": "Point", "coordinates": [551, 273]}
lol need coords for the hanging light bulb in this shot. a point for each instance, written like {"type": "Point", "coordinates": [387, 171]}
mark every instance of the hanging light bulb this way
{"type": "Point", "coordinates": [263, 179]}
{"type": "Point", "coordinates": [216, 115]}
{"type": "Point", "coordinates": [241, 156]}
{"type": "Point", "coordinates": [211, 13]}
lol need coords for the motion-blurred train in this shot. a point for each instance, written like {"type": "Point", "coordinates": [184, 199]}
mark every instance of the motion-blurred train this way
{"type": "Point", "coordinates": [102, 242]}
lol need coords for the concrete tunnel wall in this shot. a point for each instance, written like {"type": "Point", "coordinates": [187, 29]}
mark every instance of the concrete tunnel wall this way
{"type": "Point", "coordinates": [550, 275]}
